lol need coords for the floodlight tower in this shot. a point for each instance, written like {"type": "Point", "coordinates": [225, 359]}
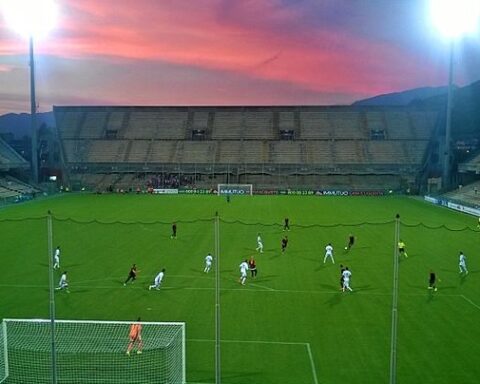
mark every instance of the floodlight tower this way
{"type": "Point", "coordinates": [31, 19]}
{"type": "Point", "coordinates": [453, 19]}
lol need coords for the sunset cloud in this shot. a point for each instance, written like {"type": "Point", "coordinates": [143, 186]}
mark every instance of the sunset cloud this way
{"type": "Point", "coordinates": [319, 48]}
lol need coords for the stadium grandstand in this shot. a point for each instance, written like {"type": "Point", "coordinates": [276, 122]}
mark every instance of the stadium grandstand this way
{"type": "Point", "coordinates": [338, 147]}
{"type": "Point", "coordinates": [11, 163]}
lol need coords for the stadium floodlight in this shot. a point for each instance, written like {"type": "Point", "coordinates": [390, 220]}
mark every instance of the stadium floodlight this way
{"type": "Point", "coordinates": [32, 19]}
{"type": "Point", "coordinates": [455, 18]}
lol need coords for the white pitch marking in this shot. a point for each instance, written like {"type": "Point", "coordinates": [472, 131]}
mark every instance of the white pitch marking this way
{"type": "Point", "coordinates": [261, 286]}
{"type": "Point", "coordinates": [249, 341]}
{"type": "Point", "coordinates": [470, 301]}
{"type": "Point", "coordinates": [312, 363]}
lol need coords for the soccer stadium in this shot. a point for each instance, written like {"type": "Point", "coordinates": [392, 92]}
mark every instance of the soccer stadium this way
{"type": "Point", "coordinates": [243, 244]}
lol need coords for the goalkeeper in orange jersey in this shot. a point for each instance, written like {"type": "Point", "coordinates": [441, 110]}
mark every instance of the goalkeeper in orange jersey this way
{"type": "Point", "coordinates": [135, 336]}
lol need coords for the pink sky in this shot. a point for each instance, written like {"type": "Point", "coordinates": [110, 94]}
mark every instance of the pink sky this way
{"type": "Point", "coordinates": [230, 52]}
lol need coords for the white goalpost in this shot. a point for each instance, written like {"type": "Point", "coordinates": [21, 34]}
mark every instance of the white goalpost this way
{"type": "Point", "coordinates": [91, 352]}
{"type": "Point", "coordinates": [235, 189]}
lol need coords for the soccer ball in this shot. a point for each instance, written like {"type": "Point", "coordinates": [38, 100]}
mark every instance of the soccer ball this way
{"type": "Point", "coordinates": [346, 248]}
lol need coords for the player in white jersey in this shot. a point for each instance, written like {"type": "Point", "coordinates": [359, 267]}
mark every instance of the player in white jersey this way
{"type": "Point", "coordinates": [346, 280]}
{"type": "Point", "coordinates": [63, 283]}
{"type": "Point", "coordinates": [462, 263]}
{"type": "Point", "coordinates": [243, 272]}
{"type": "Point", "coordinates": [157, 281]}
{"type": "Point", "coordinates": [56, 258]}
{"type": "Point", "coordinates": [208, 263]}
{"type": "Point", "coordinates": [328, 253]}
{"type": "Point", "coordinates": [259, 244]}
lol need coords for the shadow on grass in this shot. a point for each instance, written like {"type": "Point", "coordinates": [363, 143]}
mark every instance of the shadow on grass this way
{"type": "Point", "coordinates": [335, 299]}
{"type": "Point", "coordinates": [315, 260]}
{"type": "Point", "coordinates": [71, 266]}
{"type": "Point", "coordinates": [330, 287]}
{"type": "Point", "coordinates": [250, 377]}
{"type": "Point", "coordinates": [263, 278]}
{"type": "Point", "coordinates": [448, 270]}
{"type": "Point", "coordinates": [78, 291]}
{"type": "Point", "coordinates": [362, 288]}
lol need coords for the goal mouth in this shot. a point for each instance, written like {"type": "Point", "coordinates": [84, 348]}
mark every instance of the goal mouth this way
{"type": "Point", "coordinates": [88, 351]}
{"type": "Point", "coordinates": [234, 189]}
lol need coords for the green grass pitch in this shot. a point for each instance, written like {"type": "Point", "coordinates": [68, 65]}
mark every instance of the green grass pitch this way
{"type": "Point", "coordinates": [290, 325]}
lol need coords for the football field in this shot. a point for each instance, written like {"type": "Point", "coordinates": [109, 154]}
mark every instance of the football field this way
{"type": "Point", "coordinates": [289, 325]}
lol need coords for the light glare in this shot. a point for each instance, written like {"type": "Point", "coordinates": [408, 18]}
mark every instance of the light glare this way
{"type": "Point", "coordinates": [30, 18]}
{"type": "Point", "coordinates": [455, 18]}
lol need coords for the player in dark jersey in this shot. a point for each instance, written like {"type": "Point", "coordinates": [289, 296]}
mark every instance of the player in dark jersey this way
{"type": "Point", "coordinates": [284, 243]}
{"type": "Point", "coordinates": [351, 241]}
{"type": "Point", "coordinates": [286, 226]}
{"type": "Point", "coordinates": [252, 266]}
{"type": "Point", "coordinates": [174, 231]}
{"type": "Point", "coordinates": [342, 269]}
{"type": "Point", "coordinates": [132, 275]}
{"type": "Point", "coordinates": [432, 281]}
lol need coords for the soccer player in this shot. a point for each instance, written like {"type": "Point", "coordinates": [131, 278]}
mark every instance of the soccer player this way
{"type": "Point", "coordinates": [208, 263]}
{"type": "Point", "coordinates": [243, 272]}
{"type": "Point", "coordinates": [284, 243]}
{"type": "Point", "coordinates": [432, 281]}
{"type": "Point", "coordinates": [286, 226]}
{"type": "Point", "coordinates": [462, 263]}
{"type": "Point", "coordinates": [56, 258]}
{"type": "Point", "coordinates": [252, 266]}
{"type": "Point", "coordinates": [132, 275]}
{"type": "Point", "coordinates": [174, 231]}
{"type": "Point", "coordinates": [328, 253]}
{"type": "Point", "coordinates": [259, 244]}
{"type": "Point", "coordinates": [342, 269]}
{"type": "Point", "coordinates": [351, 241]}
{"type": "Point", "coordinates": [63, 283]}
{"type": "Point", "coordinates": [157, 281]}
{"type": "Point", "coordinates": [401, 248]}
{"type": "Point", "coordinates": [135, 336]}
{"type": "Point", "coordinates": [346, 280]}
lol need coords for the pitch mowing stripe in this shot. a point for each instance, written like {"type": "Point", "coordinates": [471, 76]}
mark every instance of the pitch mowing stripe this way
{"type": "Point", "coordinates": [144, 286]}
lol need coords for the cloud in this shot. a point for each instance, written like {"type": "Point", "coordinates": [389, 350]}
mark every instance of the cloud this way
{"type": "Point", "coordinates": [323, 49]}
{"type": "Point", "coordinates": [6, 68]}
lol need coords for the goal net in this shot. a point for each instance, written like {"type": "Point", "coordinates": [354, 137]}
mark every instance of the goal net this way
{"type": "Point", "coordinates": [235, 189]}
{"type": "Point", "coordinates": [91, 352]}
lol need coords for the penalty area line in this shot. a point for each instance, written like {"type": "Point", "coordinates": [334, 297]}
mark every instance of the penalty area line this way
{"type": "Point", "coordinates": [306, 345]}
{"type": "Point", "coordinates": [249, 341]}
{"type": "Point", "coordinates": [312, 363]}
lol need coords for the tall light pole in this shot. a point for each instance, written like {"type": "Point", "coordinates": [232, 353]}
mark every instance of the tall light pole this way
{"type": "Point", "coordinates": [453, 19]}
{"type": "Point", "coordinates": [447, 161]}
{"type": "Point", "coordinates": [32, 19]}
{"type": "Point", "coordinates": [33, 113]}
